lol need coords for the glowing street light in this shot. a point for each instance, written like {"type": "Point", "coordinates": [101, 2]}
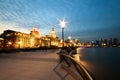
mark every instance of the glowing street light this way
{"type": "Point", "coordinates": [9, 42]}
{"type": "Point", "coordinates": [69, 37]}
{"type": "Point", "coordinates": [62, 24]}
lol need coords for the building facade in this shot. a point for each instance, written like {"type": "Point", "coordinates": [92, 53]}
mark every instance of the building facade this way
{"type": "Point", "coordinates": [15, 40]}
{"type": "Point", "coordinates": [53, 38]}
{"type": "Point", "coordinates": [1, 43]}
{"type": "Point", "coordinates": [10, 39]}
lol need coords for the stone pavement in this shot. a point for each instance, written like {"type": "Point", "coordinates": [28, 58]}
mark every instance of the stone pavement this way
{"type": "Point", "coordinates": [35, 65]}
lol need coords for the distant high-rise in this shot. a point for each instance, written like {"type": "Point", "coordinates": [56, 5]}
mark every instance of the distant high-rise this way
{"type": "Point", "coordinates": [101, 42]}
{"type": "Point", "coordinates": [105, 42]}
{"type": "Point", "coordinates": [110, 42]}
{"type": "Point", "coordinates": [97, 43]}
{"type": "Point", "coordinates": [115, 42]}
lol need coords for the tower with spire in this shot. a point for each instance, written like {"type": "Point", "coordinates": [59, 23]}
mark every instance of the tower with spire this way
{"type": "Point", "coordinates": [53, 38]}
{"type": "Point", "coordinates": [52, 34]}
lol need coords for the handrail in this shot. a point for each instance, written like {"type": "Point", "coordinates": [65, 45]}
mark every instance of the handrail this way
{"type": "Point", "coordinates": [71, 63]}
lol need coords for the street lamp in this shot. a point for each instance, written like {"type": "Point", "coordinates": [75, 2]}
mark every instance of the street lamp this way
{"type": "Point", "coordinates": [69, 37]}
{"type": "Point", "coordinates": [62, 24]}
{"type": "Point", "coordinates": [9, 42]}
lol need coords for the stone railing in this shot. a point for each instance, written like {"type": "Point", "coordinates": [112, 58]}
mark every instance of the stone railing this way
{"type": "Point", "coordinates": [73, 68]}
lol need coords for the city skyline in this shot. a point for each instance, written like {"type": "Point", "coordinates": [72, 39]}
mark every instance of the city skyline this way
{"type": "Point", "coordinates": [86, 20]}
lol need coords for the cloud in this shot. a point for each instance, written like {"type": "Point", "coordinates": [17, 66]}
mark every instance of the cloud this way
{"type": "Point", "coordinates": [5, 26]}
{"type": "Point", "coordinates": [15, 27]}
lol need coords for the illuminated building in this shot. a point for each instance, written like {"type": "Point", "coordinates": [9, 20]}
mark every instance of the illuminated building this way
{"type": "Point", "coordinates": [1, 43]}
{"type": "Point", "coordinates": [17, 40]}
{"type": "Point", "coordinates": [45, 42]}
{"type": "Point", "coordinates": [97, 43]}
{"type": "Point", "coordinates": [35, 33]}
{"type": "Point", "coordinates": [14, 40]}
{"type": "Point", "coordinates": [53, 38]}
{"type": "Point", "coordinates": [88, 44]}
{"type": "Point", "coordinates": [10, 39]}
{"type": "Point", "coordinates": [35, 38]}
{"type": "Point", "coordinates": [105, 42]}
{"type": "Point", "coordinates": [101, 42]}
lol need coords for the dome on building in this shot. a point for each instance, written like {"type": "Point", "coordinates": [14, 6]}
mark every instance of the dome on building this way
{"type": "Point", "coordinates": [52, 34]}
{"type": "Point", "coordinates": [35, 32]}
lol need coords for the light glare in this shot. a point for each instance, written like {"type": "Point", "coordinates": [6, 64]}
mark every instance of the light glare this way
{"type": "Point", "coordinates": [62, 23]}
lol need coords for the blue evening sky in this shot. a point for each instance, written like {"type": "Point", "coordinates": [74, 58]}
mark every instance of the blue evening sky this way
{"type": "Point", "coordinates": [86, 19]}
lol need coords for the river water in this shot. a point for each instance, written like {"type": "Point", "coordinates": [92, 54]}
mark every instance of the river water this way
{"type": "Point", "coordinates": [102, 63]}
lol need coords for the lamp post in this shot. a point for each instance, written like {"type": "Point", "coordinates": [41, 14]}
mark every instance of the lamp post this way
{"type": "Point", "coordinates": [69, 37]}
{"type": "Point", "coordinates": [62, 24]}
{"type": "Point", "coordinates": [62, 37]}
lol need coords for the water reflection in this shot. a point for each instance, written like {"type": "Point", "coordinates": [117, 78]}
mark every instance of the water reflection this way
{"type": "Point", "coordinates": [103, 63]}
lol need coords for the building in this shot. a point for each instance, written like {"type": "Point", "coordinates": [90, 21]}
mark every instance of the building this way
{"type": "Point", "coordinates": [35, 38]}
{"type": "Point", "coordinates": [50, 40]}
{"type": "Point", "coordinates": [1, 43]}
{"type": "Point", "coordinates": [115, 42]}
{"type": "Point", "coordinates": [18, 40]}
{"type": "Point", "coordinates": [53, 38]}
{"type": "Point", "coordinates": [15, 40]}
{"type": "Point", "coordinates": [110, 42]}
{"type": "Point", "coordinates": [97, 43]}
{"type": "Point", "coordinates": [10, 39]}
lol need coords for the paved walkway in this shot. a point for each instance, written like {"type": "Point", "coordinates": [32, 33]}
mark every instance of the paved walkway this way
{"type": "Point", "coordinates": [36, 65]}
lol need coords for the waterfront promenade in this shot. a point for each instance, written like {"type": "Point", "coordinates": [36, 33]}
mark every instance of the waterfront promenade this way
{"type": "Point", "coordinates": [34, 65]}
